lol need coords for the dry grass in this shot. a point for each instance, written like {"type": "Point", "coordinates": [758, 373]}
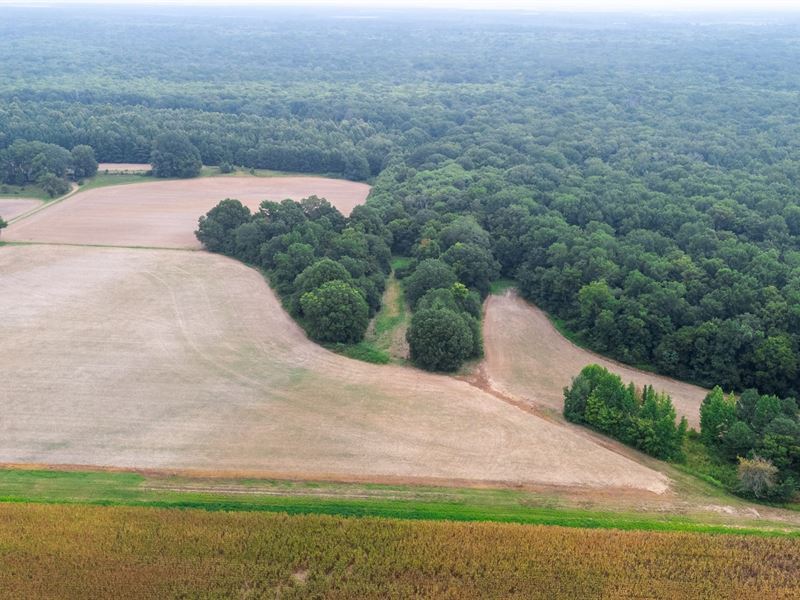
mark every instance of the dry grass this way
{"type": "Point", "coordinates": [77, 551]}
{"type": "Point", "coordinates": [171, 359]}
{"type": "Point", "coordinates": [164, 213]}
{"type": "Point", "coordinates": [528, 358]}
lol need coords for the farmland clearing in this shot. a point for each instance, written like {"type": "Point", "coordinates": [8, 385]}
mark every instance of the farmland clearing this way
{"type": "Point", "coordinates": [164, 359]}
{"type": "Point", "coordinates": [124, 167]}
{"type": "Point", "coordinates": [10, 208]}
{"type": "Point", "coordinates": [528, 358]}
{"type": "Point", "coordinates": [164, 214]}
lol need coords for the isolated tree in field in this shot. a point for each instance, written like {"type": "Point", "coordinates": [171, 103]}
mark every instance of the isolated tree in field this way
{"type": "Point", "coordinates": [335, 312]}
{"type": "Point", "coordinates": [215, 229]}
{"type": "Point", "coordinates": [439, 339]}
{"type": "Point", "coordinates": [84, 163]}
{"type": "Point", "coordinates": [430, 274]}
{"type": "Point", "coordinates": [3, 224]}
{"type": "Point", "coordinates": [174, 155]}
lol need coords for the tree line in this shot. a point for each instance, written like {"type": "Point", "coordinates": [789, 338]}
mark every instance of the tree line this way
{"type": "Point", "coordinates": [760, 434]}
{"type": "Point", "coordinates": [644, 419]}
{"type": "Point", "coordinates": [47, 165]}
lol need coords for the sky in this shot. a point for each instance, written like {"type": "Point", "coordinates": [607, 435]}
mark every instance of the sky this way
{"type": "Point", "coordinates": [544, 5]}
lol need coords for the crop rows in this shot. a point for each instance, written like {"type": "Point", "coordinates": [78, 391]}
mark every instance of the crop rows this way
{"type": "Point", "coordinates": [84, 551]}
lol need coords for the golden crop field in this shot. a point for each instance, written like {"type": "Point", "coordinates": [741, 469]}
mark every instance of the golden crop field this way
{"type": "Point", "coordinates": [54, 551]}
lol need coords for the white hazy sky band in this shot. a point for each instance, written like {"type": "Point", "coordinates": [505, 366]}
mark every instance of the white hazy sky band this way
{"type": "Point", "coordinates": [534, 5]}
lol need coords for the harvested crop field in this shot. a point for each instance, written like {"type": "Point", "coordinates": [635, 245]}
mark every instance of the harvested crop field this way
{"type": "Point", "coordinates": [164, 214]}
{"type": "Point", "coordinates": [91, 552]}
{"type": "Point", "coordinates": [171, 359]}
{"type": "Point", "coordinates": [528, 358]}
{"type": "Point", "coordinates": [124, 167]}
{"type": "Point", "coordinates": [14, 207]}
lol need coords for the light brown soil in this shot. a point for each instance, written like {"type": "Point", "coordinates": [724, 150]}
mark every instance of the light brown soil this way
{"type": "Point", "coordinates": [124, 167]}
{"type": "Point", "coordinates": [185, 360]}
{"type": "Point", "coordinates": [528, 358]}
{"type": "Point", "coordinates": [14, 207]}
{"type": "Point", "coordinates": [164, 214]}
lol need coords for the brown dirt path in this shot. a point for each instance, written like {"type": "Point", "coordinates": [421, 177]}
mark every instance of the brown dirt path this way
{"type": "Point", "coordinates": [186, 360]}
{"type": "Point", "coordinates": [164, 214]}
{"type": "Point", "coordinates": [528, 358]}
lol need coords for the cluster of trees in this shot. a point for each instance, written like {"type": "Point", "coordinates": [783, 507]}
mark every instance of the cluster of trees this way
{"type": "Point", "coordinates": [174, 155]}
{"type": "Point", "coordinates": [644, 276]}
{"type": "Point", "coordinates": [759, 431]}
{"type": "Point", "coordinates": [47, 165]}
{"type": "Point", "coordinates": [446, 280]}
{"type": "Point", "coordinates": [643, 419]}
{"type": "Point", "coordinates": [330, 270]}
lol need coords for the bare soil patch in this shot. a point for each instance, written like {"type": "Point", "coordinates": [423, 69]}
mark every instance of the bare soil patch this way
{"type": "Point", "coordinates": [528, 358]}
{"type": "Point", "coordinates": [11, 208]}
{"type": "Point", "coordinates": [164, 214]}
{"type": "Point", "coordinates": [185, 360]}
{"type": "Point", "coordinates": [124, 167]}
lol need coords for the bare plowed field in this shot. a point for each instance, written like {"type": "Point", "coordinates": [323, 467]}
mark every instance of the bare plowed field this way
{"type": "Point", "coordinates": [13, 207]}
{"type": "Point", "coordinates": [165, 359]}
{"type": "Point", "coordinates": [124, 167]}
{"type": "Point", "coordinates": [528, 358]}
{"type": "Point", "coordinates": [164, 213]}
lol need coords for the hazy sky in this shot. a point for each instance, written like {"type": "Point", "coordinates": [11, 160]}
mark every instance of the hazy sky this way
{"type": "Point", "coordinates": [570, 5]}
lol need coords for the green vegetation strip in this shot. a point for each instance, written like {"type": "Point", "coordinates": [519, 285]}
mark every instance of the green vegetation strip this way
{"type": "Point", "coordinates": [352, 500]}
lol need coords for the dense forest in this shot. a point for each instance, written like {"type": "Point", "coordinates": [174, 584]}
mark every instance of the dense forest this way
{"type": "Point", "coordinates": [637, 177]}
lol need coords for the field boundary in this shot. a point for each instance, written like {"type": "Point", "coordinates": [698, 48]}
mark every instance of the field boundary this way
{"type": "Point", "coordinates": [130, 489]}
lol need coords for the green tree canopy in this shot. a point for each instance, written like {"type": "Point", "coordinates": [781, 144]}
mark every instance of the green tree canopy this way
{"type": "Point", "coordinates": [430, 274]}
{"type": "Point", "coordinates": [84, 163]}
{"type": "Point", "coordinates": [174, 155]}
{"type": "Point", "coordinates": [335, 312]}
{"type": "Point", "coordinates": [215, 228]}
{"type": "Point", "coordinates": [439, 339]}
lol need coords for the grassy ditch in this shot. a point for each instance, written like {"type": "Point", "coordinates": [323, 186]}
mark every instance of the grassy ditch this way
{"type": "Point", "coordinates": [110, 488]}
